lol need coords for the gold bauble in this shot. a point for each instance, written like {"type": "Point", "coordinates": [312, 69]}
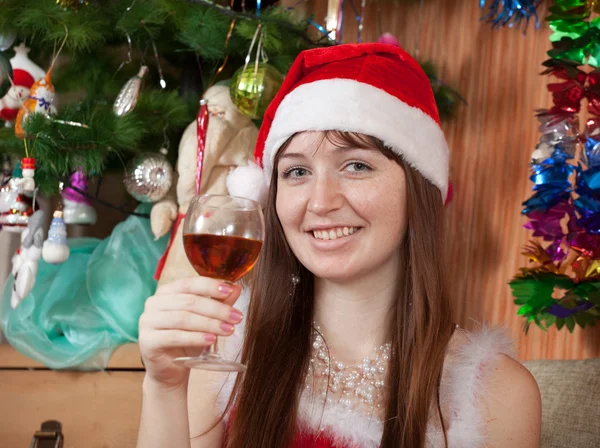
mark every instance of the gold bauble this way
{"type": "Point", "coordinates": [253, 89]}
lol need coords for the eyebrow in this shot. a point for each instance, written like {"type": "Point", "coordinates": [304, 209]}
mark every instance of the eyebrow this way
{"type": "Point", "coordinates": [299, 155]}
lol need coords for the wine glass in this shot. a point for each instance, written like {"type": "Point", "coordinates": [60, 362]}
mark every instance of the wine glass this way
{"type": "Point", "coordinates": [222, 236]}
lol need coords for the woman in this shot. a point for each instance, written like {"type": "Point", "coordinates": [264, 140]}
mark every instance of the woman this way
{"type": "Point", "coordinates": [349, 339]}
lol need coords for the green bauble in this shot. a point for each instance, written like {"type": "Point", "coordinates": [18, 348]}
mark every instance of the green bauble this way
{"type": "Point", "coordinates": [5, 74]}
{"type": "Point", "coordinates": [253, 89]}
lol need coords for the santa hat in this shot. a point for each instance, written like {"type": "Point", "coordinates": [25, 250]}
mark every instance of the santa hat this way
{"type": "Point", "coordinates": [28, 163]}
{"type": "Point", "coordinates": [374, 89]}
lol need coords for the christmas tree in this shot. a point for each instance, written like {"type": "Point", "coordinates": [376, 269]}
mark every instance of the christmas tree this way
{"type": "Point", "coordinates": [102, 45]}
{"type": "Point", "coordinates": [186, 47]}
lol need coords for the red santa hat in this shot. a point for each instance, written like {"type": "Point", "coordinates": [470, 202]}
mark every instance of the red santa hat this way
{"type": "Point", "coordinates": [373, 88]}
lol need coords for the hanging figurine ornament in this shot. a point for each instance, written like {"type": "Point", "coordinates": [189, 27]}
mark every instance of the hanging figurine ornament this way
{"type": "Point", "coordinates": [149, 177]}
{"type": "Point", "coordinates": [22, 191]}
{"type": "Point", "coordinates": [25, 261]}
{"type": "Point", "coordinates": [41, 97]}
{"type": "Point", "coordinates": [77, 208]}
{"type": "Point", "coordinates": [254, 86]}
{"type": "Point", "coordinates": [25, 74]}
{"type": "Point", "coordinates": [129, 94]}
{"type": "Point", "coordinates": [55, 249]}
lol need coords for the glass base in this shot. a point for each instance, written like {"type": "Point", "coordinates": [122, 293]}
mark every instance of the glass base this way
{"type": "Point", "coordinates": [210, 361]}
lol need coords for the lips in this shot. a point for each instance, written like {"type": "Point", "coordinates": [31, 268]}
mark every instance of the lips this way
{"type": "Point", "coordinates": [334, 233]}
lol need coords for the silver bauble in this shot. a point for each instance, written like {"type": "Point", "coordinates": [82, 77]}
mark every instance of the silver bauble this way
{"type": "Point", "coordinates": [149, 177]}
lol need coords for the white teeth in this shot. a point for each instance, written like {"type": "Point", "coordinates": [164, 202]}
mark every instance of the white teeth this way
{"type": "Point", "coordinates": [334, 234]}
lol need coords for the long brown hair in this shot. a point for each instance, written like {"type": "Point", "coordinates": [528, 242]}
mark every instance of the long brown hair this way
{"type": "Point", "coordinates": [277, 346]}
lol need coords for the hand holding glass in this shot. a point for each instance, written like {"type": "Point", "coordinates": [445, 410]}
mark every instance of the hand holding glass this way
{"type": "Point", "coordinates": [222, 236]}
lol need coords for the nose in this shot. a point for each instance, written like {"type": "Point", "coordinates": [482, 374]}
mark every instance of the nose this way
{"type": "Point", "coordinates": [325, 195]}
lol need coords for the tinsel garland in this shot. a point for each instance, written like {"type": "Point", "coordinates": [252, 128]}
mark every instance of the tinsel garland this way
{"type": "Point", "coordinates": [562, 286]}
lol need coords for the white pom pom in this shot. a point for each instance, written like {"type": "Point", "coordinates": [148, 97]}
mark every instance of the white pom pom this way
{"type": "Point", "coordinates": [248, 182]}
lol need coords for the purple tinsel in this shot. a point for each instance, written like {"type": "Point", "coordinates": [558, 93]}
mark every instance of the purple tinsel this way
{"type": "Point", "coordinates": [79, 181]}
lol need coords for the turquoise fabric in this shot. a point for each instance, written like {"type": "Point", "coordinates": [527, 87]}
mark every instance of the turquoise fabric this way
{"type": "Point", "coordinates": [80, 311]}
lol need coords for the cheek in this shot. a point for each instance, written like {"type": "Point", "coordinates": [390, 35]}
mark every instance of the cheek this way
{"type": "Point", "coordinates": [288, 207]}
{"type": "Point", "coordinates": [383, 205]}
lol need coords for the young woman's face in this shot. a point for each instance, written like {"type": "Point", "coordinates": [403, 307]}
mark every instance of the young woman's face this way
{"type": "Point", "coordinates": [343, 209]}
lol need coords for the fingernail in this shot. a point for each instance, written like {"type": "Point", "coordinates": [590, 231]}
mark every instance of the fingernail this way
{"type": "Point", "coordinates": [224, 288]}
{"type": "Point", "coordinates": [210, 337]}
{"type": "Point", "coordinates": [227, 328]}
{"type": "Point", "coordinates": [235, 316]}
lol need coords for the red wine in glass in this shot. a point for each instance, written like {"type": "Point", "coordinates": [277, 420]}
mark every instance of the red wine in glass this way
{"type": "Point", "coordinates": [223, 257]}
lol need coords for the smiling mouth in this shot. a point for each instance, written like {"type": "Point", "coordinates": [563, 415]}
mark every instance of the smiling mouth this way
{"type": "Point", "coordinates": [334, 233]}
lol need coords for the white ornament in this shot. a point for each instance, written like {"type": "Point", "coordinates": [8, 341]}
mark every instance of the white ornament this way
{"type": "Point", "coordinates": [25, 263]}
{"type": "Point", "coordinates": [56, 249]}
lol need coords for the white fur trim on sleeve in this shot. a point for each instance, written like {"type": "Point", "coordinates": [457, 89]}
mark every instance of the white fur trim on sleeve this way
{"type": "Point", "coordinates": [363, 108]}
{"type": "Point", "coordinates": [469, 378]}
{"type": "Point", "coordinates": [248, 182]}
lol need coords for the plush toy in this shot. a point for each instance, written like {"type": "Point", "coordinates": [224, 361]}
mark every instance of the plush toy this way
{"type": "Point", "coordinates": [230, 141]}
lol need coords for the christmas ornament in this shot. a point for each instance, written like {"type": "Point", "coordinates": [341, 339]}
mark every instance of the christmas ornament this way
{"type": "Point", "coordinates": [25, 262]}
{"type": "Point", "coordinates": [388, 38]}
{"type": "Point", "coordinates": [77, 208]}
{"type": "Point", "coordinates": [39, 101]}
{"type": "Point", "coordinates": [6, 41]}
{"type": "Point", "coordinates": [149, 177]}
{"type": "Point", "coordinates": [55, 249]}
{"type": "Point", "coordinates": [5, 170]}
{"type": "Point", "coordinates": [21, 194]}
{"type": "Point", "coordinates": [6, 74]}
{"type": "Point", "coordinates": [9, 190]}
{"type": "Point", "coordinates": [129, 94]}
{"type": "Point", "coordinates": [25, 73]}
{"type": "Point", "coordinates": [253, 88]}
{"type": "Point", "coordinates": [511, 12]}
{"type": "Point", "coordinates": [201, 129]}
{"type": "Point", "coordinates": [72, 4]}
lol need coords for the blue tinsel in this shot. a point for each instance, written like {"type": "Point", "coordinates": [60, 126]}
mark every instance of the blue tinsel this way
{"type": "Point", "coordinates": [551, 178]}
{"type": "Point", "coordinates": [511, 12]}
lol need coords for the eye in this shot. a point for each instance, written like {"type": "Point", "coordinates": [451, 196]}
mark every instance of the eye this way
{"type": "Point", "coordinates": [358, 167]}
{"type": "Point", "coordinates": [295, 172]}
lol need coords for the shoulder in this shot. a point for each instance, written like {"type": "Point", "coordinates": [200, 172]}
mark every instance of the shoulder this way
{"type": "Point", "coordinates": [512, 406]}
{"type": "Point", "coordinates": [495, 399]}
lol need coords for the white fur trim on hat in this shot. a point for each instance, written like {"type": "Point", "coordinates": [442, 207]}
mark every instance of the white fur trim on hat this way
{"type": "Point", "coordinates": [248, 182]}
{"type": "Point", "coordinates": [363, 108]}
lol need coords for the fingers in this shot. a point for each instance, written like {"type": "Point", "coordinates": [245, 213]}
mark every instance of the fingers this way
{"type": "Point", "coordinates": [203, 306]}
{"type": "Point", "coordinates": [166, 339]}
{"type": "Point", "coordinates": [184, 321]}
{"type": "Point", "coordinates": [202, 286]}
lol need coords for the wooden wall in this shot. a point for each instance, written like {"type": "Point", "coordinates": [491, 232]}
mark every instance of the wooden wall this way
{"type": "Point", "coordinates": [491, 141]}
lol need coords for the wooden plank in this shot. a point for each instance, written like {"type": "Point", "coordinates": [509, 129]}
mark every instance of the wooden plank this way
{"type": "Point", "coordinates": [97, 410]}
{"type": "Point", "coordinates": [491, 140]}
{"type": "Point", "coordinates": [126, 356]}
